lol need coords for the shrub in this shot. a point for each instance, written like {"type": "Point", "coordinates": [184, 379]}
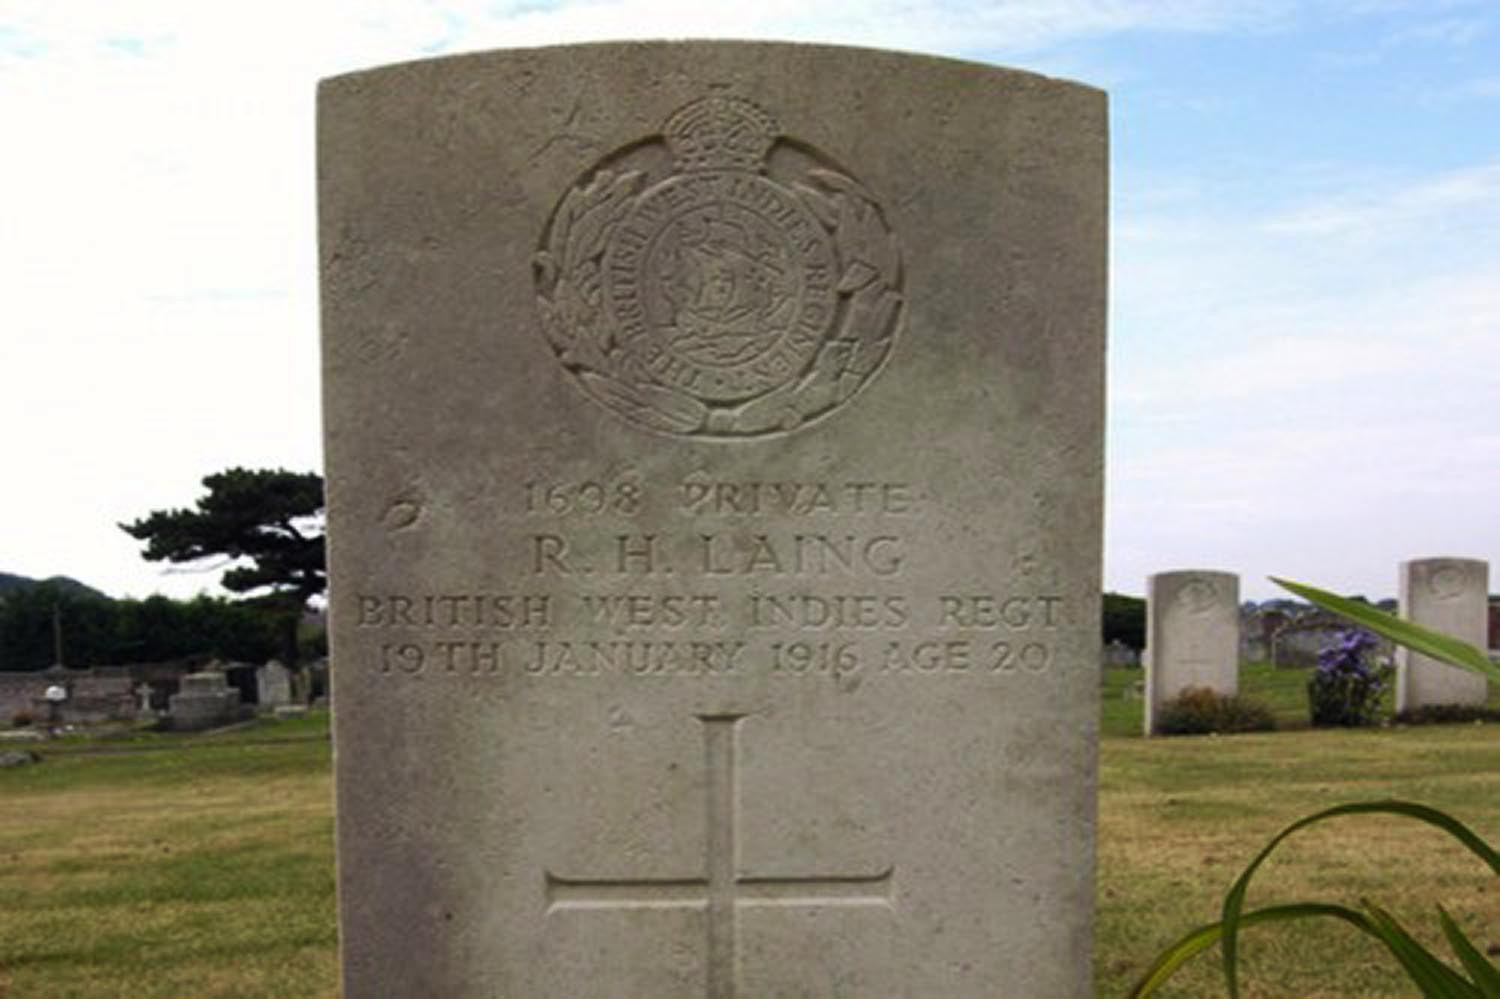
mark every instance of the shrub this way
{"type": "Point", "coordinates": [1345, 689]}
{"type": "Point", "coordinates": [1201, 711]}
{"type": "Point", "coordinates": [1447, 714]}
{"type": "Point", "coordinates": [22, 719]}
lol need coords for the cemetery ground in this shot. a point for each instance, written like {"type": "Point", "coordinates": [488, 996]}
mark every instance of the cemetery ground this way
{"type": "Point", "coordinates": [201, 867]}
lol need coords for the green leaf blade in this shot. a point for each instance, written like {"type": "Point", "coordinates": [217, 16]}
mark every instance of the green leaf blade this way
{"type": "Point", "coordinates": [1485, 975]}
{"type": "Point", "coordinates": [1426, 970]}
{"type": "Point", "coordinates": [1422, 640]}
{"type": "Point", "coordinates": [1234, 901]}
{"type": "Point", "coordinates": [1204, 937]}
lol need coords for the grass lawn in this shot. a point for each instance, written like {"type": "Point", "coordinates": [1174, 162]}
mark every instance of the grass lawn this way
{"type": "Point", "coordinates": [201, 867]}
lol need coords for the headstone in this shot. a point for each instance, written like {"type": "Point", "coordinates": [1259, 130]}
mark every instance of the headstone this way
{"type": "Point", "coordinates": [145, 711]}
{"type": "Point", "coordinates": [1299, 643]}
{"type": "Point", "coordinates": [714, 451]}
{"type": "Point", "coordinates": [204, 700]}
{"type": "Point", "coordinates": [273, 683]}
{"type": "Point", "coordinates": [1116, 653]}
{"type": "Point", "coordinates": [1449, 595]}
{"type": "Point", "coordinates": [1258, 629]}
{"type": "Point", "coordinates": [1192, 631]}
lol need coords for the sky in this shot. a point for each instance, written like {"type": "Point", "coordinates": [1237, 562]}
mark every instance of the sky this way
{"type": "Point", "coordinates": [1305, 257]}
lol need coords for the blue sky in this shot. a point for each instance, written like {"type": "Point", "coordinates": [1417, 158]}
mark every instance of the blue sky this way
{"type": "Point", "coordinates": [1305, 318]}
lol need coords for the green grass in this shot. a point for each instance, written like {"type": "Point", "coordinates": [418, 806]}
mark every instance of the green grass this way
{"type": "Point", "coordinates": [195, 867]}
{"type": "Point", "coordinates": [201, 867]}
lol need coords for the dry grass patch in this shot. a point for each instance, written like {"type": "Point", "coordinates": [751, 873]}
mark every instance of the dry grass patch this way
{"type": "Point", "coordinates": [164, 880]}
{"type": "Point", "coordinates": [1179, 819]}
{"type": "Point", "coordinates": [205, 870]}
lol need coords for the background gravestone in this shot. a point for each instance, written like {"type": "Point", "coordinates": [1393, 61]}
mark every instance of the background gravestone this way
{"type": "Point", "coordinates": [1450, 595]}
{"type": "Point", "coordinates": [714, 468]}
{"type": "Point", "coordinates": [1192, 635]}
{"type": "Point", "coordinates": [204, 700]}
{"type": "Point", "coordinates": [273, 683]}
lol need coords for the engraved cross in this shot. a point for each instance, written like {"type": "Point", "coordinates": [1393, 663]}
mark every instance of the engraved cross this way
{"type": "Point", "coordinates": [722, 889]}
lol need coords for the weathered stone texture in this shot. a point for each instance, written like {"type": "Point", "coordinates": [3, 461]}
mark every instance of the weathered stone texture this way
{"type": "Point", "coordinates": [1450, 595]}
{"type": "Point", "coordinates": [1192, 636]}
{"type": "Point", "coordinates": [714, 466]}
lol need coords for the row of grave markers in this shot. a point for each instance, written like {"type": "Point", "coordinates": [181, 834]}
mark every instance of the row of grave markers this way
{"type": "Point", "coordinates": [1192, 633]}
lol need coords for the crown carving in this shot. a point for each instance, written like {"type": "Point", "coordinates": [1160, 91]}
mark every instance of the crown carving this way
{"type": "Point", "coordinates": [720, 133]}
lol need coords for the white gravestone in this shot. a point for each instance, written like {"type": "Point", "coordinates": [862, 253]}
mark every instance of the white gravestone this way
{"type": "Point", "coordinates": [1450, 595]}
{"type": "Point", "coordinates": [273, 683]}
{"type": "Point", "coordinates": [714, 468]}
{"type": "Point", "coordinates": [1193, 636]}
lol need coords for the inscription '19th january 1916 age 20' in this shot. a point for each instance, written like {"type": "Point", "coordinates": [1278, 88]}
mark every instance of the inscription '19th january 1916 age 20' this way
{"type": "Point", "coordinates": [746, 288]}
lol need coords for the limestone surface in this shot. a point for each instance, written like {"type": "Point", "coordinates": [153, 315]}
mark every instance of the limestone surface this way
{"type": "Point", "coordinates": [1192, 636]}
{"type": "Point", "coordinates": [714, 464]}
{"type": "Point", "coordinates": [1450, 595]}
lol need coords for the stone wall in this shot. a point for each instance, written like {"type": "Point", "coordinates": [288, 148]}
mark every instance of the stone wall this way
{"type": "Point", "coordinates": [95, 695]}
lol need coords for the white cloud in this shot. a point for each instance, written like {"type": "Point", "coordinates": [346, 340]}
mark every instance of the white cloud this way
{"type": "Point", "coordinates": [1397, 212]}
{"type": "Point", "coordinates": [1336, 364]}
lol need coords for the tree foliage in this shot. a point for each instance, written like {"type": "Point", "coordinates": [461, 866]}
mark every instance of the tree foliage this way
{"type": "Point", "coordinates": [264, 527]}
{"type": "Point", "coordinates": [266, 524]}
{"type": "Point", "coordinates": [1125, 620]}
{"type": "Point", "coordinates": [99, 631]}
{"type": "Point", "coordinates": [27, 637]}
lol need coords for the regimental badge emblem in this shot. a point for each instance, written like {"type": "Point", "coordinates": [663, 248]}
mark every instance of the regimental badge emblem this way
{"type": "Point", "coordinates": [720, 280]}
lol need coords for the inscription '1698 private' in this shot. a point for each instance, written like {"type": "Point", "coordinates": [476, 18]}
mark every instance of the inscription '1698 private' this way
{"type": "Point", "coordinates": [753, 288]}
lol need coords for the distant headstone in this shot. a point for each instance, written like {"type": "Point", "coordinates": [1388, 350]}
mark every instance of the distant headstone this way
{"type": "Point", "coordinates": [17, 758]}
{"type": "Point", "coordinates": [1449, 595]}
{"type": "Point", "coordinates": [143, 710]}
{"type": "Point", "coordinates": [1299, 643]}
{"type": "Point", "coordinates": [1192, 631]}
{"type": "Point", "coordinates": [204, 700]}
{"type": "Point", "coordinates": [714, 450]}
{"type": "Point", "coordinates": [1116, 653]}
{"type": "Point", "coordinates": [273, 683]}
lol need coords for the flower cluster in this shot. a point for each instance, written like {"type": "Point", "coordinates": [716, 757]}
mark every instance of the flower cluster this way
{"type": "Point", "coordinates": [1345, 689]}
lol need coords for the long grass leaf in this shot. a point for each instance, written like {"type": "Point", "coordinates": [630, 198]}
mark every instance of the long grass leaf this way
{"type": "Point", "coordinates": [1485, 975]}
{"type": "Point", "coordinates": [1426, 970]}
{"type": "Point", "coordinates": [1234, 901]}
{"type": "Point", "coordinates": [1415, 637]}
{"type": "Point", "coordinates": [1204, 937]}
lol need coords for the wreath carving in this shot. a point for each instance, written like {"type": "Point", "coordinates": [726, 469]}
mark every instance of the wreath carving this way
{"type": "Point", "coordinates": [744, 286]}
